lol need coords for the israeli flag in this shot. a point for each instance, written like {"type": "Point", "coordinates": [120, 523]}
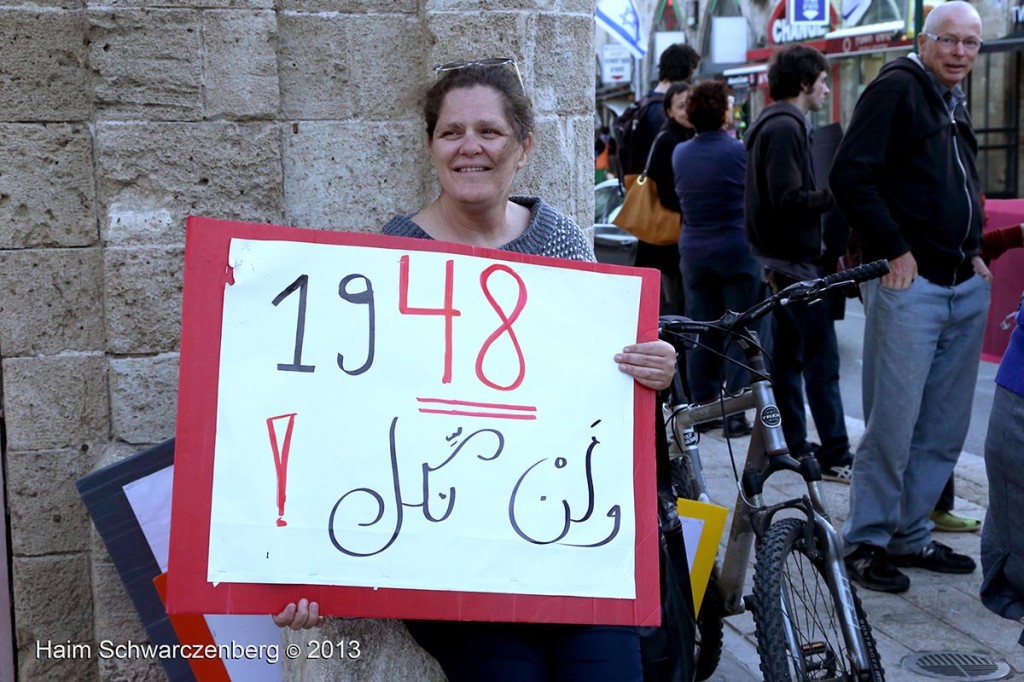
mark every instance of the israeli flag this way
{"type": "Point", "coordinates": [622, 20]}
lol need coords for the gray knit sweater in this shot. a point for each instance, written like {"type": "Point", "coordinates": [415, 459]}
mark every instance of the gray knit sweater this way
{"type": "Point", "coordinates": [549, 233]}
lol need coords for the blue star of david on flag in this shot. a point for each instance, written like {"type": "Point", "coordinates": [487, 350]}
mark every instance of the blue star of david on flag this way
{"type": "Point", "coordinates": [622, 20]}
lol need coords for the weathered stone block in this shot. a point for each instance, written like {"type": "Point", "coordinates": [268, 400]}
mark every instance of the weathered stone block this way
{"type": "Point", "coordinates": [324, 60]}
{"type": "Point", "coordinates": [551, 173]}
{"type": "Point", "coordinates": [388, 652]}
{"type": "Point", "coordinates": [35, 4]}
{"type": "Point", "coordinates": [468, 6]}
{"type": "Point", "coordinates": [143, 296]}
{"type": "Point", "coordinates": [143, 398]}
{"type": "Point", "coordinates": [582, 197]}
{"type": "Point", "coordinates": [577, 7]}
{"type": "Point", "coordinates": [327, 186]}
{"type": "Point", "coordinates": [146, 64]}
{"type": "Point", "coordinates": [43, 74]}
{"type": "Point", "coordinates": [240, 64]}
{"type": "Point", "coordinates": [468, 35]}
{"type": "Point", "coordinates": [355, 6]}
{"type": "Point", "coordinates": [564, 82]}
{"type": "Point", "coordinates": [51, 301]}
{"type": "Point", "coordinates": [47, 193]}
{"type": "Point", "coordinates": [118, 621]}
{"type": "Point", "coordinates": [47, 514]}
{"type": "Point", "coordinates": [152, 176]}
{"type": "Point", "coordinates": [54, 606]}
{"type": "Point", "coordinates": [56, 401]}
{"type": "Point", "coordinates": [181, 4]}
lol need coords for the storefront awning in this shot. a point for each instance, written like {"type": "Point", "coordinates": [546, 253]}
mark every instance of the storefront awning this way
{"type": "Point", "coordinates": [874, 38]}
{"type": "Point", "coordinates": [746, 76]}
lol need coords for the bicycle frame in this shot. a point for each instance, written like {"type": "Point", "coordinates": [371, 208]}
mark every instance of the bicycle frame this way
{"type": "Point", "coordinates": [766, 455]}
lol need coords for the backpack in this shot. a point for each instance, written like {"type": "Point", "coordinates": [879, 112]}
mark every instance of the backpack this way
{"type": "Point", "coordinates": [625, 129]}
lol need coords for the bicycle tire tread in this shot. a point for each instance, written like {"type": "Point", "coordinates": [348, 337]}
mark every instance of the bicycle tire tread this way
{"type": "Point", "coordinates": [779, 541]}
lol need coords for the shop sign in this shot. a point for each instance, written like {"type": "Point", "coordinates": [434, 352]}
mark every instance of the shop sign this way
{"type": "Point", "coordinates": [811, 12]}
{"type": "Point", "coordinates": [616, 64]}
{"type": "Point", "coordinates": [867, 42]}
{"type": "Point", "coordinates": [782, 30]}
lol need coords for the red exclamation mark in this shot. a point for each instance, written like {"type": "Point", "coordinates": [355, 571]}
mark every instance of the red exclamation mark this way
{"type": "Point", "coordinates": [281, 459]}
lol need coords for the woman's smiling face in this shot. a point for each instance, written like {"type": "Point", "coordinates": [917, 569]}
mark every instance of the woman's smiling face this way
{"type": "Point", "coordinates": [474, 147]}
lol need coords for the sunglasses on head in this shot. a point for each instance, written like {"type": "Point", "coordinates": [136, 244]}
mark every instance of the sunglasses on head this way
{"type": "Point", "coordinates": [484, 63]}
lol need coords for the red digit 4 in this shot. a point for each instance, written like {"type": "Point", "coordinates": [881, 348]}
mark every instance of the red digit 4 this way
{"type": "Point", "coordinates": [448, 311]}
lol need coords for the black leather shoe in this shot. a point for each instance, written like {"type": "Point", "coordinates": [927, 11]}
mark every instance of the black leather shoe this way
{"type": "Point", "coordinates": [736, 426]}
{"type": "Point", "coordinates": [870, 567]}
{"type": "Point", "coordinates": [937, 557]}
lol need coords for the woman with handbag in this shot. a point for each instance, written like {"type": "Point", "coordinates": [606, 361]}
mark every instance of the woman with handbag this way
{"type": "Point", "coordinates": [651, 210]}
{"type": "Point", "coordinates": [719, 272]}
{"type": "Point", "coordinates": [659, 170]}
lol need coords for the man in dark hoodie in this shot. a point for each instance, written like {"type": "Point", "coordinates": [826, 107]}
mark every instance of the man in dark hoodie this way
{"type": "Point", "coordinates": [783, 212]}
{"type": "Point", "coordinates": [905, 179]}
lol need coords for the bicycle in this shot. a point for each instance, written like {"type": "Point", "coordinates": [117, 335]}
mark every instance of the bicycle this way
{"type": "Point", "coordinates": [809, 622]}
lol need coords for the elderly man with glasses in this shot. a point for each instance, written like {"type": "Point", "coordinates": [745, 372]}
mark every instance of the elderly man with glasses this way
{"type": "Point", "coordinates": [905, 178]}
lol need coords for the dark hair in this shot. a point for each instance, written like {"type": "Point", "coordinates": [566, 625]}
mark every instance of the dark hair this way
{"type": "Point", "coordinates": [707, 106]}
{"type": "Point", "coordinates": [678, 62]}
{"type": "Point", "coordinates": [503, 79]}
{"type": "Point", "coordinates": [672, 91]}
{"type": "Point", "coordinates": [792, 68]}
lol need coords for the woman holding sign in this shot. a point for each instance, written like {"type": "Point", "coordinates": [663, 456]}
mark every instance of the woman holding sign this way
{"type": "Point", "coordinates": [479, 125]}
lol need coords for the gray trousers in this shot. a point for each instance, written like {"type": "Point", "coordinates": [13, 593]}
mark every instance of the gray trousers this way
{"type": "Point", "coordinates": [1002, 542]}
{"type": "Point", "coordinates": [921, 348]}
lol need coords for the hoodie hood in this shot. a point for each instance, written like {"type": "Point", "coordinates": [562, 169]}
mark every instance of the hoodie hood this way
{"type": "Point", "coordinates": [913, 66]}
{"type": "Point", "coordinates": [771, 113]}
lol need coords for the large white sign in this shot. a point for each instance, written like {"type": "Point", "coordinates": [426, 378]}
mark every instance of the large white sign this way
{"type": "Point", "coordinates": [423, 421]}
{"type": "Point", "coordinates": [404, 428]}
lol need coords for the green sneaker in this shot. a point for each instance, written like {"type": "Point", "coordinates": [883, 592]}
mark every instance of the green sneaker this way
{"type": "Point", "coordinates": [948, 522]}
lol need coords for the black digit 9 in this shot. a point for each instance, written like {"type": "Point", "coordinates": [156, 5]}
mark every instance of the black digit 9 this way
{"type": "Point", "coordinates": [364, 297]}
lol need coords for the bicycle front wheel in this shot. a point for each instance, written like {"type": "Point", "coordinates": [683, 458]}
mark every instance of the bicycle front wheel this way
{"type": "Point", "coordinates": [799, 636]}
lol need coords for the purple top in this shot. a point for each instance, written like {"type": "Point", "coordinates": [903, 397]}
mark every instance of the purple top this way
{"type": "Point", "coordinates": [710, 171]}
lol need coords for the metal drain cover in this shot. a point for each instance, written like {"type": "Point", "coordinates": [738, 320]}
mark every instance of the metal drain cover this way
{"type": "Point", "coordinates": [951, 665]}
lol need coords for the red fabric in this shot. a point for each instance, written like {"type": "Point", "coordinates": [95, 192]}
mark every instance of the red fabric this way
{"type": "Point", "coordinates": [1007, 273]}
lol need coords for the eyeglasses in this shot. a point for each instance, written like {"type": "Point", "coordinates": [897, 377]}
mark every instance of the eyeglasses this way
{"type": "Point", "coordinates": [971, 45]}
{"type": "Point", "coordinates": [484, 63]}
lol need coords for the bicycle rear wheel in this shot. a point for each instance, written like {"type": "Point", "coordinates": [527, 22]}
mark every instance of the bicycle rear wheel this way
{"type": "Point", "coordinates": [799, 636]}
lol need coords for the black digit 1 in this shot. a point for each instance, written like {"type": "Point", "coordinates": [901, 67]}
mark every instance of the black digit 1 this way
{"type": "Point", "coordinates": [361, 297]}
{"type": "Point", "coordinates": [302, 283]}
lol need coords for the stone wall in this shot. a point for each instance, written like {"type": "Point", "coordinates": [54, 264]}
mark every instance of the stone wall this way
{"type": "Point", "coordinates": [118, 120]}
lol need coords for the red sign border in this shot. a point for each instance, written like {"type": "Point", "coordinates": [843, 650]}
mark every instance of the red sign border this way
{"type": "Point", "coordinates": [207, 242]}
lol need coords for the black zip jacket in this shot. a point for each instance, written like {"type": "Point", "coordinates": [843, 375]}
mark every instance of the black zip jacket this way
{"type": "Point", "coordinates": [905, 175]}
{"type": "Point", "coordinates": [782, 208]}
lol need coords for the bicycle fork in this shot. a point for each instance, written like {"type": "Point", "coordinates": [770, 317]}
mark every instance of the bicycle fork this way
{"type": "Point", "coordinates": [767, 454]}
{"type": "Point", "coordinates": [839, 583]}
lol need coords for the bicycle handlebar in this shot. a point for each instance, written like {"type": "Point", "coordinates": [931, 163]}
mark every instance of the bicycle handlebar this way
{"type": "Point", "coordinates": [805, 291]}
